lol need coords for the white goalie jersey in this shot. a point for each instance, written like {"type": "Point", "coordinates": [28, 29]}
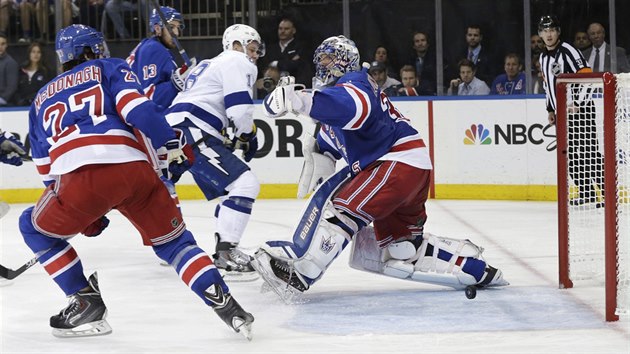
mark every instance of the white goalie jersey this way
{"type": "Point", "coordinates": [217, 91]}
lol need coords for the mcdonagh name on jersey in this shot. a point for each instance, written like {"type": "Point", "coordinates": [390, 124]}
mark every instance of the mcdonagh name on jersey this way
{"type": "Point", "coordinates": [89, 73]}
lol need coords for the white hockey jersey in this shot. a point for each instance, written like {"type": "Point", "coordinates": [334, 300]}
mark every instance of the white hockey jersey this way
{"type": "Point", "coordinates": [217, 91]}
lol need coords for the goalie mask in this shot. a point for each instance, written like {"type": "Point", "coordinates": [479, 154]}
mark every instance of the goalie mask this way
{"type": "Point", "coordinates": [244, 35]}
{"type": "Point", "coordinates": [335, 57]}
{"type": "Point", "coordinates": [72, 40]}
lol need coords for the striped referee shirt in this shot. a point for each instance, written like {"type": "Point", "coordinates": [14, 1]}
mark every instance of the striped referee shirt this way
{"type": "Point", "coordinates": [564, 59]}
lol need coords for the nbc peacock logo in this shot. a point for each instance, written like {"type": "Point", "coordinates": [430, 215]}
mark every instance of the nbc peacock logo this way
{"type": "Point", "coordinates": [477, 135]}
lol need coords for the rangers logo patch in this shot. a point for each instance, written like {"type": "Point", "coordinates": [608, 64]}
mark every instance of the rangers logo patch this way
{"type": "Point", "coordinates": [327, 245]}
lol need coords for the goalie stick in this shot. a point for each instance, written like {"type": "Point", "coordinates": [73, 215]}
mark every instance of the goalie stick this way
{"type": "Point", "coordinates": [7, 273]}
{"type": "Point", "coordinates": [4, 209]}
{"type": "Point", "coordinates": [180, 49]}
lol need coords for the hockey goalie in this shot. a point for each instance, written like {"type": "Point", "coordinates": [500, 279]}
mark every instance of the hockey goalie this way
{"type": "Point", "coordinates": [376, 202]}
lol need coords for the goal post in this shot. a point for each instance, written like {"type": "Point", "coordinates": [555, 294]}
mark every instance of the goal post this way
{"type": "Point", "coordinates": [593, 135]}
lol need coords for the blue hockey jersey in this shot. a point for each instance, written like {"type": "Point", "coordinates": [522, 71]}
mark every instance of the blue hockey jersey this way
{"type": "Point", "coordinates": [361, 125]}
{"type": "Point", "coordinates": [87, 115]}
{"type": "Point", "coordinates": [153, 63]}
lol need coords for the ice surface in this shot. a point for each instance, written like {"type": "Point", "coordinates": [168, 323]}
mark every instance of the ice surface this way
{"type": "Point", "coordinates": [347, 311]}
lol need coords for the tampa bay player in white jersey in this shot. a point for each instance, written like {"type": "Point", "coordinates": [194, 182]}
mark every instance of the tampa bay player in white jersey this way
{"type": "Point", "coordinates": [216, 93]}
{"type": "Point", "coordinates": [385, 183]}
{"type": "Point", "coordinates": [81, 133]}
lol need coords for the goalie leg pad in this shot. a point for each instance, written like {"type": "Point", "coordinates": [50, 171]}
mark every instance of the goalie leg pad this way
{"type": "Point", "coordinates": [317, 167]}
{"type": "Point", "coordinates": [457, 264]}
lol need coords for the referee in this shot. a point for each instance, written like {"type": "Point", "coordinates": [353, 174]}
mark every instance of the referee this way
{"type": "Point", "coordinates": [585, 161]}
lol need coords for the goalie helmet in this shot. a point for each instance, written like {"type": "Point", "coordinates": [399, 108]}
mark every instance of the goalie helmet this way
{"type": "Point", "coordinates": [170, 14]}
{"type": "Point", "coordinates": [72, 40]}
{"type": "Point", "coordinates": [343, 58]}
{"type": "Point", "coordinates": [548, 21]}
{"type": "Point", "coordinates": [244, 35]}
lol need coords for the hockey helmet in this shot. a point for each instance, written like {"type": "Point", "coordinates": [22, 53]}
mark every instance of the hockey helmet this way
{"type": "Point", "coordinates": [548, 21]}
{"type": "Point", "coordinates": [344, 58]}
{"type": "Point", "coordinates": [170, 14]}
{"type": "Point", "coordinates": [72, 40]}
{"type": "Point", "coordinates": [244, 35]}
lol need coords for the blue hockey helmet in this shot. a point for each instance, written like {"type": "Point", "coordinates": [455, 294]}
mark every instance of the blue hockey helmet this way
{"type": "Point", "coordinates": [72, 40]}
{"type": "Point", "coordinates": [343, 57]}
{"type": "Point", "coordinates": [170, 14]}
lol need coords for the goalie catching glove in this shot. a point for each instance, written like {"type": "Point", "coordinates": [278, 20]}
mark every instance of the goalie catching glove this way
{"type": "Point", "coordinates": [180, 155]}
{"type": "Point", "coordinates": [248, 142]}
{"type": "Point", "coordinates": [285, 98]}
{"type": "Point", "coordinates": [11, 149]}
{"type": "Point", "coordinates": [179, 75]}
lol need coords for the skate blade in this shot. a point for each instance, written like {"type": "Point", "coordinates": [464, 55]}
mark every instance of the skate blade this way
{"type": "Point", "coordinates": [245, 329]}
{"type": "Point", "coordinates": [97, 328]}
{"type": "Point", "coordinates": [238, 277]}
{"type": "Point", "coordinates": [285, 292]}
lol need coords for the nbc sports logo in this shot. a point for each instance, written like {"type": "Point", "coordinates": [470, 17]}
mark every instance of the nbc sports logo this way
{"type": "Point", "coordinates": [477, 135]}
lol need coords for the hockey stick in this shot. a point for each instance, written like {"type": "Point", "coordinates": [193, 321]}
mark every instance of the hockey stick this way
{"type": "Point", "coordinates": [7, 273]}
{"type": "Point", "coordinates": [181, 50]}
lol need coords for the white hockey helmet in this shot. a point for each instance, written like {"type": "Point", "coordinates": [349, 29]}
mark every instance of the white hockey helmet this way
{"type": "Point", "coordinates": [244, 35]}
{"type": "Point", "coordinates": [344, 57]}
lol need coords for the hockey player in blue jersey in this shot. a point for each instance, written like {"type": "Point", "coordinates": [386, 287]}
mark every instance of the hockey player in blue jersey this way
{"type": "Point", "coordinates": [153, 63]}
{"type": "Point", "coordinates": [81, 129]}
{"type": "Point", "coordinates": [385, 184]}
{"type": "Point", "coordinates": [11, 149]}
{"type": "Point", "coordinates": [219, 92]}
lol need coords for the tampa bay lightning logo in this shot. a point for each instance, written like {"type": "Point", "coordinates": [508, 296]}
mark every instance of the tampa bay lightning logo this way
{"type": "Point", "coordinates": [327, 245]}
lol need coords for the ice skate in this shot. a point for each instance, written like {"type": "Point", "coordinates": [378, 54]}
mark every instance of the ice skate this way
{"type": "Point", "coordinates": [230, 311]}
{"type": "Point", "coordinates": [279, 276]}
{"type": "Point", "coordinates": [84, 316]}
{"type": "Point", "coordinates": [233, 263]}
{"type": "Point", "coordinates": [492, 277]}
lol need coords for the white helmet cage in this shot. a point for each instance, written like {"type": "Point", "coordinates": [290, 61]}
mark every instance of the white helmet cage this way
{"type": "Point", "coordinates": [244, 35]}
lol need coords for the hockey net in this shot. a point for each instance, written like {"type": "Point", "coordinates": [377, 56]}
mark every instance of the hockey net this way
{"type": "Point", "coordinates": [593, 128]}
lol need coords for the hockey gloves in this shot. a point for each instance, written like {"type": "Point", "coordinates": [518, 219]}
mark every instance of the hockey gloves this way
{"type": "Point", "coordinates": [248, 143]}
{"type": "Point", "coordinates": [180, 155]}
{"type": "Point", "coordinates": [11, 149]}
{"type": "Point", "coordinates": [95, 228]}
{"type": "Point", "coordinates": [285, 98]}
{"type": "Point", "coordinates": [179, 75]}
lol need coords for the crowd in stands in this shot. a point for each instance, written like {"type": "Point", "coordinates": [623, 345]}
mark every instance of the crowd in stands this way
{"type": "Point", "coordinates": [476, 70]}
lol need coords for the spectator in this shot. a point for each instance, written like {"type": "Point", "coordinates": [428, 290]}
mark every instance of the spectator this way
{"type": "Point", "coordinates": [114, 9]}
{"type": "Point", "coordinates": [411, 84]}
{"type": "Point", "coordinates": [378, 72]}
{"type": "Point", "coordinates": [467, 84]}
{"type": "Point", "coordinates": [268, 82]}
{"type": "Point", "coordinates": [537, 76]}
{"type": "Point", "coordinates": [381, 55]}
{"type": "Point", "coordinates": [288, 54]}
{"type": "Point", "coordinates": [32, 76]}
{"type": "Point", "coordinates": [423, 59]}
{"type": "Point", "coordinates": [6, 6]}
{"type": "Point", "coordinates": [8, 72]}
{"type": "Point", "coordinates": [537, 45]}
{"type": "Point", "coordinates": [479, 55]}
{"type": "Point", "coordinates": [597, 36]}
{"type": "Point", "coordinates": [581, 41]}
{"type": "Point", "coordinates": [513, 81]}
